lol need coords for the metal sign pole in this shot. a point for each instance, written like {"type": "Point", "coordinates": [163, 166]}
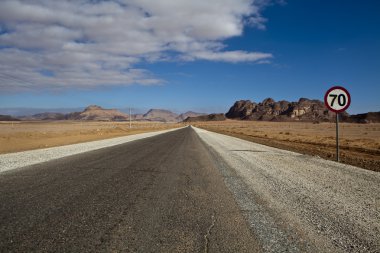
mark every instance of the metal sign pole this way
{"type": "Point", "coordinates": [130, 118]}
{"type": "Point", "coordinates": [337, 137]}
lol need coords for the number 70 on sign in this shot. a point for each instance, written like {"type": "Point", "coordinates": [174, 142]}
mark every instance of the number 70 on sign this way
{"type": "Point", "coordinates": [337, 99]}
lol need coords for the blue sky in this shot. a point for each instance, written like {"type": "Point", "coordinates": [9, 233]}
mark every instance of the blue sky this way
{"type": "Point", "coordinates": [263, 49]}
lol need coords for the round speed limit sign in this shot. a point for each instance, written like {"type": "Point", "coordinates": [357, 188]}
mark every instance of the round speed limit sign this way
{"type": "Point", "coordinates": [337, 99]}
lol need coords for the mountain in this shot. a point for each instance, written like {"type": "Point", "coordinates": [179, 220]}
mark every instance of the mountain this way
{"type": "Point", "coordinates": [185, 115]}
{"type": "Point", "coordinates": [160, 115]}
{"type": "Point", "coordinates": [7, 118]}
{"type": "Point", "coordinates": [45, 116]}
{"type": "Point", "coordinates": [270, 110]}
{"type": "Point", "coordinates": [210, 117]}
{"type": "Point", "coordinates": [94, 112]}
{"type": "Point", "coordinates": [23, 112]}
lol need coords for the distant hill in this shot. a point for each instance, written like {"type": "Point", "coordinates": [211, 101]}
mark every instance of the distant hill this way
{"type": "Point", "coordinates": [210, 117]}
{"type": "Point", "coordinates": [370, 117]}
{"type": "Point", "coordinates": [185, 115]}
{"type": "Point", "coordinates": [160, 115]}
{"type": "Point", "coordinates": [269, 110]}
{"type": "Point", "coordinates": [97, 113]}
{"type": "Point", "coordinates": [45, 116]}
{"type": "Point", "coordinates": [94, 112]}
{"type": "Point", "coordinates": [23, 112]}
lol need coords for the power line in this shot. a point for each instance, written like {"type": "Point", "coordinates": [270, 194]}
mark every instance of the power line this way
{"type": "Point", "coordinates": [7, 77]}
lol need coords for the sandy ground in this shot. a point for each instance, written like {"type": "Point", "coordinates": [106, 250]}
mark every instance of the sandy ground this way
{"type": "Point", "coordinates": [359, 143]}
{"type": "Point", "coordinates": [21, 136]}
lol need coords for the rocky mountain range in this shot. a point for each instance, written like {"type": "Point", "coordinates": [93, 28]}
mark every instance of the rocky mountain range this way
{"type": "Point", "coordinates": [97, 113]}
{"type": "Point", "coordinates": [304, 109]}
{"type": "Point", "coordinates": [310, 110]}
{"type": "Point", "coordinates": [269, 110]}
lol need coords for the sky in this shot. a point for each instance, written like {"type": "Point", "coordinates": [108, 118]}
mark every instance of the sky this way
{"type": "Point", "coordinates": [186, 55]}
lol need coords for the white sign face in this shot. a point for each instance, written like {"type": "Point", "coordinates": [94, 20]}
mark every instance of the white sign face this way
{"type": "Point", "coordinates": [337, 99]}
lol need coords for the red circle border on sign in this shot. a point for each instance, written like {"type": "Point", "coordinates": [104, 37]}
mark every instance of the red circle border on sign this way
{"type": "Point", "coordinates": [348, 96]}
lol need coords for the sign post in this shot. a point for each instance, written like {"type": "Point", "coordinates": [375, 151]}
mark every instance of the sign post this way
{"type": "Point", "coordinates": [130, 118]}
{"type": "Point", "coordinates": [337, 99]}
{"type": "Point", "coordinates": [337, 137]}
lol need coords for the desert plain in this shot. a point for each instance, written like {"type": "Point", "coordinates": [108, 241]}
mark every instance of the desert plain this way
{"type": "Point", "coordinates": [28, 135]}
{"type": "Point", "coordinates": [359, 143]}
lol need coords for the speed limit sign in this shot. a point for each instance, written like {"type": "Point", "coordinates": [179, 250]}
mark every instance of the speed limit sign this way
{"type": "Point", "coordinates": [337, 99]}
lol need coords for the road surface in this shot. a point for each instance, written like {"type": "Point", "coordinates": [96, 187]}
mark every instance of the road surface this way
{"type": "Point", "coordinates": [189, 190]}
{"type": "Point", "coordinates": [159, 194]}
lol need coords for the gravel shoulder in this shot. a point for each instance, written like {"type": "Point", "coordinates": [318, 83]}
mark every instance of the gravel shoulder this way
{"type": "Point", "coordinates": [298, 203]}
{"type": "Point", "coordinates": [25, 158]}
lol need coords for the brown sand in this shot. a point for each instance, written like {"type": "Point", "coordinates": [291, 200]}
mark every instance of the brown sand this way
{"type": "Point", "coordinates": [359, 143]}
{"type": "Point", "coordinates": [20, 136]}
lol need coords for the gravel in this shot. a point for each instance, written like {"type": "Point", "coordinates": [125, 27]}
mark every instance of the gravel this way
{"type": "Point", "coordinates": [299, 203]}
{"type": "Point", "coordinates": [26, 158]}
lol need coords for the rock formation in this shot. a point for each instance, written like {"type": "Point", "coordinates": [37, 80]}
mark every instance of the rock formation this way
{"type": "Point", "coordinates": [270, 110]}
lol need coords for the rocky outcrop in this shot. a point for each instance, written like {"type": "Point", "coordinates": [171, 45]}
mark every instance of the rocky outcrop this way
{"type": "Point", "coordinates": [241, 109]}
{"type": "Point", "coordinates": [270, 110]}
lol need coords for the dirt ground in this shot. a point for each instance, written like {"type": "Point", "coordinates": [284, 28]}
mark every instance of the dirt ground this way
{"type": "Point", "coordinates": [21, 136]}
{"type": "Point", "coordinates": [359, 143]}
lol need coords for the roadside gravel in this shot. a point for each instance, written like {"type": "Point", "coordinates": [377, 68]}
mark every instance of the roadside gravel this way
{"type": "Point", "coordinates": [26, 158]}
{"type": "Point", "coordinates": [300, 203]}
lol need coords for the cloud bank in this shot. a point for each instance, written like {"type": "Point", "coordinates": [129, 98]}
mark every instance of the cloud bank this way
{"type": "Point", "coordinates": [77, 43]}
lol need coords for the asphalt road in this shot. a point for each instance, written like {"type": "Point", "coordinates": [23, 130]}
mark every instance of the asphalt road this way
{"type": "Point", "coordinates": [160, 194]}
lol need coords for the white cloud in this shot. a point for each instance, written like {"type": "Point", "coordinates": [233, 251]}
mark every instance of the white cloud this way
{"type": "Point", "coordinates": [90, 43]}
{"type": "Point", "coordinates": [230, 56]}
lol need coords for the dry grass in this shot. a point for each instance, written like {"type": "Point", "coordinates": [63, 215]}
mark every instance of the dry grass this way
{"type": "Point", "coordinates": [359, 143]}
{"type": "Point", "coordinates": [20, 136]}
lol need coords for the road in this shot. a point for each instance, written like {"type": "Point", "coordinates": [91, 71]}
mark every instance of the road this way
{"type": "Point", "coordinates": [189, 190]}
{"type": "Point", "coordinates": [160, 194]}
